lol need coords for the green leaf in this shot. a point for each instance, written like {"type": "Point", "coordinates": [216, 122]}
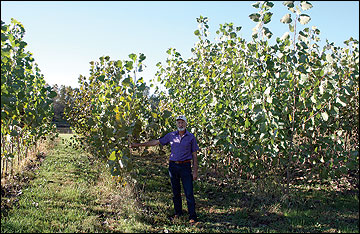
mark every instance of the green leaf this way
{"type": "Point", "coordinates": [255, 17]}
{"type": "Point", "coordinates": [256, 5]}
{"type": "Point", "coordinates": [101, 78]}
{"type": "Point", "coordinates": [52, 94]}
{"type": "Point", "coordinates": [197, 32]}
{"type": "Point", "coordinates": [329, 58]}
{"type": "Point", "coordinates": [304, 46]}
{"type": "Point", "coordinates": [289, 4]}
{"type": "Point", "coordinates": [247, 123]}
{"type": "Point", "coordinates": [102, 98]}
{"type": "Point", "coordinates": [133, 57]}
{"type": "Point", "coordinates": [286, 19]}
{"type": "Point", "coordinates": [267, 17]}
{"type": "Point", "coordinates": [347, 90]}
{"type": "Point", "coordinates": [118, 64]}
{"type": "Point", "coordinates": [268, 5]}
{"type": "Point", "coordinates": [285, 36]}
{"type": "Point", "coordinates": [291, 28]}
{"type": "Point", "coordinates": [129, 65]}
{"type": "Point", "coordinates": [267, 32]}
{"type": "Point", "coordinates": [305, 5]}
{"type": "Point", "coordinates": [23, 44]}
{"type": "Point", "coordinates": [304, 19]}
{"type": "Point", "coordinates": [142, 57]}
{"type": "Point", "coordinates": [21, 96]}
{"type": "Point", "coordinates": [267, 91]}
{"type": "Point", "coordinates": [341, 101]}
{"type": "Point", "coordinates": [325, 116]}
{"type": "Point", "coordinates": [313, 98]}
{"type": "Point", "coordinates": [126, 82]}
{"type": "Point", "coordinates": [254, 34]}
{"type": "Point", "coordinates": [112, 156]}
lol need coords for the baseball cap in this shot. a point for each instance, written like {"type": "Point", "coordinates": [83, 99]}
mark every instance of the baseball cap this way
{"type": "Point", "coordinates": [181, 117]}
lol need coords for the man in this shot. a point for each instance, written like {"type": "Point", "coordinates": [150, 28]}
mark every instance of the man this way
{"type": "Point", "coordinates": [183, 150]}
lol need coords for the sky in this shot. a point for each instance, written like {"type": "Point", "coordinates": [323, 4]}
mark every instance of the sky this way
{"type": "Point", "coordinates": [64, 36]}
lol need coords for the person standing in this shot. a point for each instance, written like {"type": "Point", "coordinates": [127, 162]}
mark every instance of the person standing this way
{"type": "Point", "coordinates": [183, 151]}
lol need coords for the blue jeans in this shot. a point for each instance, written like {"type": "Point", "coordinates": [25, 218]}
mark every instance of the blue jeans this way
{"type": "Point", "coordinates": [183, 172]}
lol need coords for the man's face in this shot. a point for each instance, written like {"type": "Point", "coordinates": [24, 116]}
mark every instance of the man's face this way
{"type": "Point", "coordinates": [180, 124]}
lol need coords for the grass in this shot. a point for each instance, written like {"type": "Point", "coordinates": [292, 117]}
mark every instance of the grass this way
{"type": "Point", "coordinates": [71, 192]}
{"type": "Point", "coordinates": [223, 207]}
{"type": "Point", "coordinates": [74, 192]}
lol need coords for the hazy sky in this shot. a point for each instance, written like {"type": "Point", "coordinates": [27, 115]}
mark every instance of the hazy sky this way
{"type": "Point", "coordinates": [64, 36]}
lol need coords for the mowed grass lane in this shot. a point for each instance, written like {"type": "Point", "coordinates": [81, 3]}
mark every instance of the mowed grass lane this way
{"type": "Point", "coordinates": [72, 192]}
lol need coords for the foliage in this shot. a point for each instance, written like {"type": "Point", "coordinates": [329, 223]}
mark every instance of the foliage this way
{"type": "Point", "coordinates": [284, 111]}
{"type": "Point", "coordinates": [59, 105]}
{"type": "Point", "coordinates": [26, 101]}
{"type": "Point", "coordinates": [259, 109]}
{"type": "Point", "coordinates": [110, 109]}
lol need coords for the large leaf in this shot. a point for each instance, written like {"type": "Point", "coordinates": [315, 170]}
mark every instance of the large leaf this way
{"type": "Point", "coordinates": [286, 19]}
{"type": "Point", "coordinates": [267, 17]}
{"type": "Point", "coordinates": [304, 19]}
{"type": "Point", "coordinates": [289, 4]}
{"type": "Point", "coordinates": [133, 57]}
{"type": "Point", "coordinates": [142, 57]}
{"type": "Point", "coordinates": [267, 32]}
{"type": "Point", "coordinates": [268, 5]}
{"type": "Point", "coordinates": [112, 156]}
{"type": "Point", "coordinates": [305, 5]}
{"type": "Point", "coordinates": [255, 17]}
{"type": "Point", "coordinates": [325, 116]}
{"type": "Point", "coordinates": [285, 36]}
{"type": "Point", "coordinates": [118, 64]}
{"type": "Point", "coordinates": [256, 5]}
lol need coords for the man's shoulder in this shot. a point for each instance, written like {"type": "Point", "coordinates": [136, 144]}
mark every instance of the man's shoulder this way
{"type": "Point", "coordinates": [174, 133]}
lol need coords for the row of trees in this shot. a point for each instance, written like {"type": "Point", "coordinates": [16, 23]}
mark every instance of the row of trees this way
{"type": "Point", "coordinates": [265, 111]}
{"type": "Point", "coordinates": [111, 108]}
{"type": "Point", "coordinates": [26, 100]}
{"type": "Point", "coordinates": [258, 110]}
{"type": "Point", "coordinates": [270, 111]}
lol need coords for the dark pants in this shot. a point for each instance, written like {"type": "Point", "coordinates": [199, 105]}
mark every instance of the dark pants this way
{"type": "Point", "coordinates": [182, 171]}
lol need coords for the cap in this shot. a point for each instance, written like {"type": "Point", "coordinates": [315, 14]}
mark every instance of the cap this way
{"type": "Point", "coordinates": [181, 117]}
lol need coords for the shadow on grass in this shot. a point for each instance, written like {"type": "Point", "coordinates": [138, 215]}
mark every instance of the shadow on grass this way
{"type": "Point", "coordinates": [227, 208]}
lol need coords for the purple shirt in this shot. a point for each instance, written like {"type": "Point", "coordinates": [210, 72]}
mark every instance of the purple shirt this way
{"type": "Point", "coordinates": [181, 147]}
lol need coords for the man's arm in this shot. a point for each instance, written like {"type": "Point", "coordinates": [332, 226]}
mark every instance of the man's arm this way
{"type": "Point", "coordinates": [195, 165]}
{"type": "Point", "coordinates": [149, 143]}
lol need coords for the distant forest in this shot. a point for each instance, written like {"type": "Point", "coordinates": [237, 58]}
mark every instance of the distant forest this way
{"type": "Point", "coordinates": [59, 104]}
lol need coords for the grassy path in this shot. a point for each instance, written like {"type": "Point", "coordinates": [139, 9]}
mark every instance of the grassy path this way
{"type": "Point", "coordinates": [73, 192]}
{"type": "Point", "coordinates": [58, 199]}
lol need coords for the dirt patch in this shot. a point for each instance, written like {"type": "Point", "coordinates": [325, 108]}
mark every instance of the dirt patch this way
{"type": "Point", "coordinates": [12, 187]}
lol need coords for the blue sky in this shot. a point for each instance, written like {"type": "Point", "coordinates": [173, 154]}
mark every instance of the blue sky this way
{"type": "Point", "coordinates": [64, 36]}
